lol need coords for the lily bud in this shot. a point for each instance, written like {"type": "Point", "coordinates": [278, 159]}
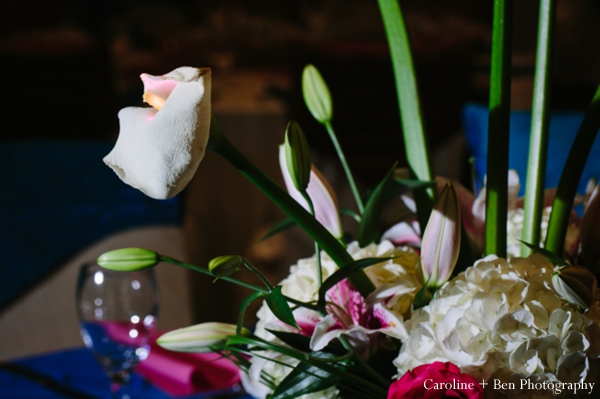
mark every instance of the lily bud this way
{"type": "Point", "coordinates": [575, 284]}
{"type": "Point", "coordinates": [316, 94]}
{"type": "Point", "coordinates": [590, 239]}
{"type": "Point", "coordinates": [225, 266]}
{"type": "Point", "coordinates": [297, 156]}
{"type": "Point", "coordinates": [128, 259]}
{"type": "Point", "coordinates": [198, 338]}
{"type": "Point", "coordinates": [441, 241]}
{"type": "Point", "coordinates": [320, 192]}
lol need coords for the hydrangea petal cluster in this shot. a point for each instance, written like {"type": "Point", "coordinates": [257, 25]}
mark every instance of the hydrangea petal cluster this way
{"type": "Point", "coordinates": [503, 315]}
{"type": "Point", "coordinates": [401, 275]}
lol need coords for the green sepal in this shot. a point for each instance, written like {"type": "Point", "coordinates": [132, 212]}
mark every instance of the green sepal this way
{"type": "Point", "coordinates": [297, 156]}
{"type": "Point", "coordinates": [280, 307]}
{"type": "Point", "coordinates": [422, 298]}
{"type": "Point", "coordinates": [367, 228]}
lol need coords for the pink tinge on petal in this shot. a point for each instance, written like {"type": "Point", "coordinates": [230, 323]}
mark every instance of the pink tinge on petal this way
{"type": "Point", "coordinates": [157, 85]}
{"type": "Point", "coordinates": [403, 233]}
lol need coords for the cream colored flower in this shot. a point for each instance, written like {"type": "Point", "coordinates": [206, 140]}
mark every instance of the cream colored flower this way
{"type": "Point", "coordinates": [160, 147]}
{"type": "Point", "coordinates": [502, 314]}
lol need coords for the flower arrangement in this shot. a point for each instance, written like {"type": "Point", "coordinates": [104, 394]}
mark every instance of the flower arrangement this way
{"type": "Point", "coordinates": [395, 314]}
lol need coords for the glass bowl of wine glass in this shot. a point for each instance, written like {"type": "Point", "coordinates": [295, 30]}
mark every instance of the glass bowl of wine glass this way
{"type": "Point", "coordinates": [118, 314]}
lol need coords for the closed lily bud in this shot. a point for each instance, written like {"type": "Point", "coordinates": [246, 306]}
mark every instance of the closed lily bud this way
{"type": "Point", "coordinates": [590, 239]}
{"type": "Point", "coordinates": [225, 266]}
{"type": "Point", "coordinates": [297, 156]}
{"type": "Point", "coordinates": [441, 241]}
{"type": "Point", "coordinates": [128, 259]}
{"type": "Point", "coordinates": [198, 338]}
{"type": "Point", "coordinates": [321, 194]}
{"type": "Point", "coordinates": [575, 284]}
{"type": "Point", "coordinates": [160, 147]}
{"type": "Point", "coordinates": [316, 94]}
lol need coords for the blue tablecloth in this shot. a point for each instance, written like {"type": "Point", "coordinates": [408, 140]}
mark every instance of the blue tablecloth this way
{"type": "Point", "coordinates": [79, 370]}
{"type": "Point", "coordinates": [57, 198]}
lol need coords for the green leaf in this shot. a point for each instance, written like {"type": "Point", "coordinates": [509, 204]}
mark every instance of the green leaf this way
{"type": "Point", "coordinates": [551, 256]}
{"type": "Point", "coordinates": [352, 214]}
{"type": "Point", "coordinates": [278, 228]}
{"type": "Point", "coordinates": [296, 341]}
{"type": "Point", "coordinates": [305, 379]}
{"type": "Point", "coordinates": [422, 298]}
{"type": "Point", "coordinates": [415, 141]}
{"type": "Point", "coordinates": [367, 227]}
{"type": "Point", "coordinates": [345, 272]}
{"type": "Point", "coordinates": [297, 156]}
{"type": "Point", "coordinates": [540, 126]}
{"type": "Point", "coordinates": [247, 301]}
{"type": "Point", "coordinates": [570, 177]}
{"type": "Point", "coordinates": [498, 131]}
{"type": "Point", "coordinates": [280, 308]}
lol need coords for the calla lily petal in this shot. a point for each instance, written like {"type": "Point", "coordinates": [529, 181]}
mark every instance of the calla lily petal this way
{"type": "Point", "coordinates": [575, 284]}
{"type": "Point", "coordinates": [160, 148]}
{"type": "Point", "coordinates": [321, 194]}
{"type": "Point", "coordinates": [441, 241]}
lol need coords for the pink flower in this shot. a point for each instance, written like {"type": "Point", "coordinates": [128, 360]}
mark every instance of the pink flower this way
{"type": "Point", "coordinates": [436, 380]}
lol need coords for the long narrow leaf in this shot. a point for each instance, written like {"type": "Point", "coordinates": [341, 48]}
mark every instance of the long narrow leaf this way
{"type": "Point", "coordinates": [305, 379]}
{"type": "Point", "coordinates": [247, 301]}
{"type": "Point", "coordinates": [551, 256]}
{"type": "Point", "coordinates": [538, 145]}
{"type": "Point", "coordinates": [498, 131]}
{"type": "Point", "coordinates": [367, 228]}
{"type": "Point", "coordinates": [571, 175]}
{"type": "Point", "coordinates": [280, 308]}
{"type": "Point", "coordinates": [278, 228]}
{"type": "Point", "coordinates": [415, 141]}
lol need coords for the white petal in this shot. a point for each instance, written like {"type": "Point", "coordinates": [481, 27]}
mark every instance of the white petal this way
{"type": "Point", "coordinates": [158, 152]}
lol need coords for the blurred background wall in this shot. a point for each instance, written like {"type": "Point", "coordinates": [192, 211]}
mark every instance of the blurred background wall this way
{"type": "Point", "coordinates": [69, 65]}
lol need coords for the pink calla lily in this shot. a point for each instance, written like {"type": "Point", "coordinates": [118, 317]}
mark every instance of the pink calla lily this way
{"type": "Point", "coordinates": [320, 193]}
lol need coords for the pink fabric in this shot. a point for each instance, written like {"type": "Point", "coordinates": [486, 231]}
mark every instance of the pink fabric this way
{"type": "Point", "coordinates": [179, 373]}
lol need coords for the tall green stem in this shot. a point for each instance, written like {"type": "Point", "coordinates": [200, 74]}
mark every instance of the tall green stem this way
{"type": "Point", "coordinates": [498, 131]}
{"type": "Point", "coordinates": [415, 141]}
{"type": "Point", "coordinates": [342, 157]}
{"type": "Point", "coordinates": [305, 220]}
{"type": "Point", "coordinates": [571, 175]}
{"type": "Point", "coordinates": [538, 145]}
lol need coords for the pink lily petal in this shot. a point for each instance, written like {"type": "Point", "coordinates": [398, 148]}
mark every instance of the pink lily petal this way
{"type": "Point", "coordinates": [157, 89]}
{"type": "Point", "coordinates": [441, 241]}
{"type": "Point", "coordinates": [404, 233]}
{"type": "Point", "coordinates": [321, 194]}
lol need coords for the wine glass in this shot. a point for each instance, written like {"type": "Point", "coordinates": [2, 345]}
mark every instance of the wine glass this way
{"type": "Point", "coordinates": [118, 313]}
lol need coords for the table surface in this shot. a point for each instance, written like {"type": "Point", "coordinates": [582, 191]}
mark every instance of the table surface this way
{"type": "Point", "coordinates": [52, 376]}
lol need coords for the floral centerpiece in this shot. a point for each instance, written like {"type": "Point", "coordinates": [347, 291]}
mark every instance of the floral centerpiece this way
{"type": "Point", "coordinates": [395, 313]}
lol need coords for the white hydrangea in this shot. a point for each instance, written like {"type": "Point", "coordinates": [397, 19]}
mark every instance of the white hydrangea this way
{"type": "Point", "coordinates": [503, 315]}
{"type": "Point", "coordinates": [302, 284]}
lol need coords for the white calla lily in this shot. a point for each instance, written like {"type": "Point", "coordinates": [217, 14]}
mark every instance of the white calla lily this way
{"type": "Point", "coordinates": [160, 148]}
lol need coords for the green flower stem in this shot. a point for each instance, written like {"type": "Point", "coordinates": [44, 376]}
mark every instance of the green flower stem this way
{"type": "Point", "coordinates": [305, 220]}
{"type": "Point", "coordinates": [251, 267]}
{"type": "Point", "coordinates": [311, 207]}
{"type": "Point", "coordinates": [253, 287]}
{"type": "Point", "coordinates": [176, 262]}
{"type": "Point", "coordinates": [498, 133]}
{"type": "Point", "coordinates": [538, 145]}
{"type": "Point", "coordinates": [571, 175]}
{"type": "Point", "coordinates": [349, 175]}
{"type": "Point", "coordinates": [415, 141]}
{"type": "Point", "coordinates": [364, 365]}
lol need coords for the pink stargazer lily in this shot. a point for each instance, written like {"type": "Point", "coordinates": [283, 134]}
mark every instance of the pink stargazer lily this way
{"type": "Point", "coordinates": [320, 192]}
{"type": "Point", "coordinates": [441, 240]}
{"type": "Point", "coordinates": [358, 318]}
{"type": "Point", "coordinates": [160, 147]}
